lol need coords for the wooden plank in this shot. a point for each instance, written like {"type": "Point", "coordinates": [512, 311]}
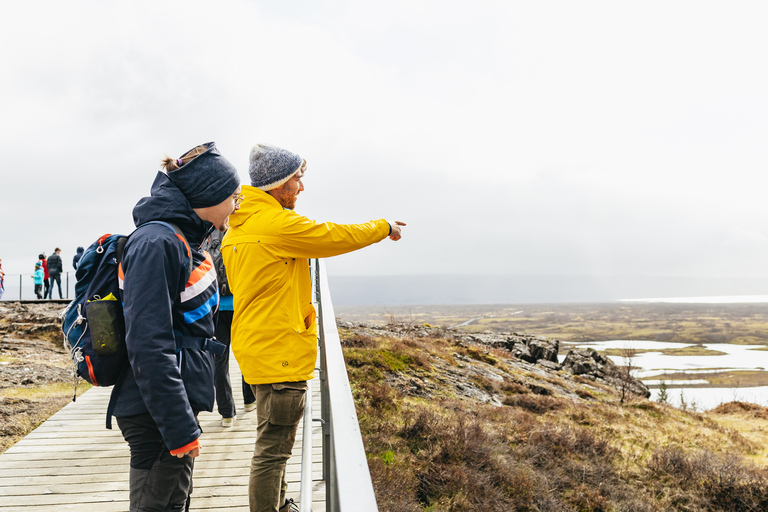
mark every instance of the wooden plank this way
{"type": "Point", "coordinates": [67, 474]}
{"type": "Point", "coordinates": [203, 477]}
{"type": "Point", "coordinates": [72, 462]}
{"type": "Point", "coordinates": [73, 493]}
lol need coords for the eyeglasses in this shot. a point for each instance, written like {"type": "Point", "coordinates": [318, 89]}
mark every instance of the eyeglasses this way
{"type": "Point", "coordinates": [238, 200]}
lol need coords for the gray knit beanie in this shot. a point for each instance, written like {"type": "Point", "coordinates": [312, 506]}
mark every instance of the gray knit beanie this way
{"type": "Point", "coordinates": [271, 166]}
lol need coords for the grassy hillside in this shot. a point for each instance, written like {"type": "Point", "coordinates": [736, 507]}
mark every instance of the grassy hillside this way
{"type": "Point", "coordinates": [458, 427]}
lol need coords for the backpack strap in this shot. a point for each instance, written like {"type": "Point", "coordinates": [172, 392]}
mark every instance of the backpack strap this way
{"type": "Point", "coordinates": [180, 234]}
{"type": "Point", "coordinates": [114, 394]}
{"type": "Point", "coordinates": [170, 225]}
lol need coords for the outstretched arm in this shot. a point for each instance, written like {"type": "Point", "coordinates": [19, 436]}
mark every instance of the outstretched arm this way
{"type": "Point", "coordinates": [300, 237]}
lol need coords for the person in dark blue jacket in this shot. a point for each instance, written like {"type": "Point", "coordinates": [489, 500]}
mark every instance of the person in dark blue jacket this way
{"type": "Point", "coordinates": [77, 256]}
{"type": "Point", "coordinates": [224, 400]}
{"type": "Point", "coordinates": [169, 324]}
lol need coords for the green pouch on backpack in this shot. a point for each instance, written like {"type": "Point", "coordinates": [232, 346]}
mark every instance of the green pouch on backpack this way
{"type": "Point", "coordinates": [107, 324]}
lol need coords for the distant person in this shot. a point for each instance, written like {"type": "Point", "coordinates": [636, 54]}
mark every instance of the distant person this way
{"type": "Point", "coordinates": [249, 399]}
{"type": "Point", "coordinates": [77, 256]}
{"type": "Point", "coordinates": [274, 333]}
{"type": "Point", "coordinates": [169, 325]}
{"type": "Point", "coordinates": [55, 268]}
{"type": "Point", "coordinates": [44, 262]}
{"type": "Point", "coordinates": [38, 278]}
{"type": "Point", "coordinates": [2, 279]}
{"type": "Point", "coordinates": [225, 403]}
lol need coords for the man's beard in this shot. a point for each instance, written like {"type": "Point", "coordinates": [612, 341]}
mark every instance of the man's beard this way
{"type": "Point", "coordinates": [288, 201]}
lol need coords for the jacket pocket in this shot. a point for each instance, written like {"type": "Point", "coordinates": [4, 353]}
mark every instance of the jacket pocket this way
{"type": "Point", "coordinates": [197, 375]}
{"type": "Point", "coordinates": [286, 403]}
{"type": "Point", "coordinates": [310, 315]}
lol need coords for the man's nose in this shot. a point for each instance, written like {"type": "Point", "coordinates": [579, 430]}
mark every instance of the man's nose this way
{"type": "Point", "coordinates": [301, 186]}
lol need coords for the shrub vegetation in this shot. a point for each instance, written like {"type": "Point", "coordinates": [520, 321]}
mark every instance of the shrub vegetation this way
{"type": "Point", "coordinates": [541, 449]}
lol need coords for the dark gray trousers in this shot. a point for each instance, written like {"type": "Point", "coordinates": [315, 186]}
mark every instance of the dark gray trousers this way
{"type": "Point", "coordinates": [224, 401]}
{"type": "Point", "coordinates": [159, 481]}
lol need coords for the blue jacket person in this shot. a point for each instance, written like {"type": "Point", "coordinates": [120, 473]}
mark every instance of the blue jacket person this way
{"type": "Point", "coordinates": [169, 324]}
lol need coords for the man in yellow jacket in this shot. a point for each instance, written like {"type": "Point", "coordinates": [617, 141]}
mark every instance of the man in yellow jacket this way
{"type": "Point", "coordinates": [274, 331]}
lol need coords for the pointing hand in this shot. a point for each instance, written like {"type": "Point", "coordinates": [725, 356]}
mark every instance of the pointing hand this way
{"type": "Point", "coordinates": [396, 233]}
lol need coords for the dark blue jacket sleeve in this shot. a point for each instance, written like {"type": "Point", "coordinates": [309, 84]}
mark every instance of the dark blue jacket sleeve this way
{"type": "Point", "coordinates": [154, 273]}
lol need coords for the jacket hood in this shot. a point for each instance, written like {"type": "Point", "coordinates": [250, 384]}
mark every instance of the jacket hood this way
{"type": "Point", "coordinates": [168, 204]}
{"type": "Point", "coordinates": [254, 201]}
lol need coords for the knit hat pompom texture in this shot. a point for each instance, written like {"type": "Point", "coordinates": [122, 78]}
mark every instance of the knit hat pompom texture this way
{"type": "Point", "coordinates": [271, 166]}
{"type": "Point", "coordinates": [206, 180]}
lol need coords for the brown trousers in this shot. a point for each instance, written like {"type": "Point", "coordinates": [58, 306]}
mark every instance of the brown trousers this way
{"type": "Point", "coordinates": [279, 409]}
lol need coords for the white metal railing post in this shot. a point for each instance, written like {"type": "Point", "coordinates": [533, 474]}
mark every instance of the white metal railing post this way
{"type": "Point", "coordinates": [305, 493]}
{"type": "Point", "coordinates": [348, 482]}
{"type": "Point", "coordinates": [345, 465]}
{"type": "Point", "coordinates": [305, 489]}
{"type": "Point", "coordinates": [325, 415]}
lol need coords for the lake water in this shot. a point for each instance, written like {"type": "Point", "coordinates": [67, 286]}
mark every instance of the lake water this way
{"type": "Point", "coordinates": [654, 365]}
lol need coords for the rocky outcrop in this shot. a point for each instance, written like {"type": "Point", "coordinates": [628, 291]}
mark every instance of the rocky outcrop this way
{"type": "Point", "coordinates": [30, 321]}
{"type": "Point", "coordinates": [538, 350]}
{"type": "Point", "coordinates": [534, 348]}
{"type": "Point", "coordinates": [588, 363]}
{"type": "Point", "coordinates": [527, 347]}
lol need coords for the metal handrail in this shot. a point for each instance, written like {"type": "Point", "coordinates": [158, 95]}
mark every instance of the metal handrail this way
{"type": "Point", "coordinates": [345, 465]}
{"type": "Point", "coordinates": [305, 493]}
{"type": "Point", "coordinates": [24, 289]}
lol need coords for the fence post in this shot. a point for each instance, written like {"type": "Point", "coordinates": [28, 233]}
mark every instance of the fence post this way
{"type": "Point", "coordinates": [348, 483]}
{"type": "Point", "coordinates": [19, 286]}
{"type": "Point", "coordinates": [325, 414]}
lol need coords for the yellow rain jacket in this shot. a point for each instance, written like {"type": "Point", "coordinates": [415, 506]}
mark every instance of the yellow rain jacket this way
{"type": "Point", "coordinates": [266, 251]}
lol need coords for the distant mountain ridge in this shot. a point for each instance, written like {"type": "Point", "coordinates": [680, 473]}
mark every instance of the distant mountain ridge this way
{"type": "Point", "coordinates": [509, 289]}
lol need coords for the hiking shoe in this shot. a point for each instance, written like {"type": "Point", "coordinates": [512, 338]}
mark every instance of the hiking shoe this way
{"type": "Point", "coordinates": [227, 422]}
{"type": "Point", "coordinates": [290, 506]}
{"type": "Point", "coordinates": [249, 407]}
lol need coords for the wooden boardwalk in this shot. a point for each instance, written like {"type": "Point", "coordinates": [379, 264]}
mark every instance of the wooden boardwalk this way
{"type": "Point", "coordinates": [72, 462]}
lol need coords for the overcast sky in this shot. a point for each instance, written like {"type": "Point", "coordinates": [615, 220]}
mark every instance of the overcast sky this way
{"type": "Point", "coordinates": [522, 138]}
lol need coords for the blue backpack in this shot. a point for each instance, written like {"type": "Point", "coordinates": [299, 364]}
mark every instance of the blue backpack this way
{"type": "Point", "coordinates": [93, 324]}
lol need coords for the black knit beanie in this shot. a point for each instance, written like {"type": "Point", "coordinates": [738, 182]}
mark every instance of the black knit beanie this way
{"type": "Point", "coordinates": [206, 180]}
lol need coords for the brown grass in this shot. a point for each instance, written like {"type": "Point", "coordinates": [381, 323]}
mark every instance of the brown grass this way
{"type": "Point", "coordinates": [23, 409]}
{"type": "Point", "coordinates": [541, 451]}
